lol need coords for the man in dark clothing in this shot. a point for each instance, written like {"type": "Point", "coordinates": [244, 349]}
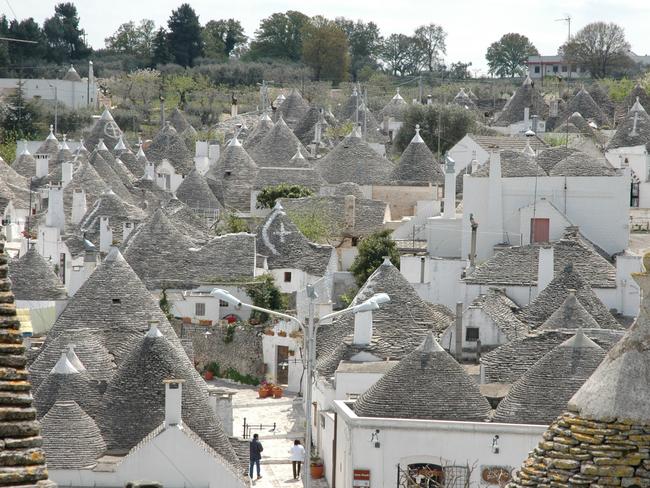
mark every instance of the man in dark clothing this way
{"type": "Point", "coordinates": [255, 456]}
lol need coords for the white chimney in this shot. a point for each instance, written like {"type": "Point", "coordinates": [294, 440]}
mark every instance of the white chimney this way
{"type": "Point", "coordinates": [362, 328]}
{"type": "Point", "coordinates": [105, 235]}
{"type": "Point", "coordinates": [149, 171]}
{"type": "Point", "coordinates": [127, 228]}
{"type": "Point", "coordinates": [544, 267]}
{"type": "Point", "coordinates": [66, 173]}
{"type": "Point", "coordinates": [42, 165]}
{"type": "Point", "coordinates": [214, 152]}
{"type": "Point", "coordinates": [55, 216]}
{"type": "Point", "coordinates": [350, 211]}
{"type": "Point", "coordinates": [495, 202]}
{"type": "Point", "coordinates": [79, 208]}
{"type": "Point", "coordinates": [173, 402]}
{"type": "Point", "coordinates": [450, 189]}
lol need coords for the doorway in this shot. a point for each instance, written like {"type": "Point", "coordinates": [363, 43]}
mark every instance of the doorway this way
{"type": "Point", "coordinates": [282, 365]}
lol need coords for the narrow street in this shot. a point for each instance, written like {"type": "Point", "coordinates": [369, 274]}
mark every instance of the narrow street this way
{"type": "Point", "coordinates": [288, 416]}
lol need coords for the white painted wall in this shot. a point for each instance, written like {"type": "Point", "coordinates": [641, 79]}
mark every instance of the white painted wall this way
{"type": "Point", "coordinates": [442, 278]}
{"type": "Point", "coordinates": [412, 441]}
{"type": "Point", "coordinates": [172, 458]}
{"type": "Point", "coordinates": [464, 151]}
{"type": "Point", "coordinates": [489, 333]}
{"type": "Point", "coordinates": [184, 302]}
{"type": "Point", "coordinates": [73, 94]}
{"type": "Point", "coordinates": [166, 176]}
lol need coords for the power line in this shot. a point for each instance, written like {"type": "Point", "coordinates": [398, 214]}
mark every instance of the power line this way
{"type": "Point", "coordinates": [12, 10]}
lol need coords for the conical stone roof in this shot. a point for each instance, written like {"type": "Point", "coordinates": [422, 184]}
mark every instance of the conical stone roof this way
{"type": "Point", "coordinates": [633, 130]}
{"type": "Point", "coordinates": [50, 145]}
{"type": "Point", "coordinates": [581, 164]}
{"type": "Point", "coordinates": [118, 212]}
{"type": "Point", "coordinates": [526, 96]}
{"type": "Point", "coordinates": [23, 458]}
{"type": "Point", "coordinates": [263, 127]}
{"type": "Point", "coordinates": [130, 161]}
{"type": "Point", "coordinates": [68, 385]}
{"type": "Point", "coordinates": [587, 107]}
{"type": "Point", "coordinates": [105, 128]}
{"type": "Point", "coordinates": [182, 125]}
{"type": "Point", "coordinates": [186, 221]}
{"type": "Point", "coordinates": [116, 165]}
{"type": "Point", "coordinates": [542, 393]}
{"type": "Point", "coordinates": [353, 160]}
{"type": "Point", "coordinates": [293, 108]}
{"type": "Point", "coordinates": [25, 164]}
{"type": "Point", "coordinates": [195, 192]}
{"type": "Point", "coordinates": [399, 332]}
{"type": "Point", "coordinates": [570, 315]}
{"type": "Point", "coordinates": [169, 145]}
{"type": "Point", "coordinates": [576, 124]}
{"type": "Point", "coordinates": [418, 164]}
{"type": "Point", "coordinates": [552, 297]}
{"type": "Point", "coordinates": [548, 158]}
{"type": "Point", "coordinates": [605, 423]}
{"type": "Point", "coordinates": [638, 93]}
{"type": "Point", "coordinates": [426, 384]}
{"type": "Point", "coordinates": [71, 438]}
{"type": "Point", "coordinates": [84, 177]}
{"type": "Point", "coordinates": [106, 172]}
{"type": "Point", "coordinates": [395, 108]}
{"type": "Point", "coordinates": [115, 305]}
{"type": "Point", "coordinates": [278, 147]}
{"type": "Point", "coordinates": [9, 176]}
{"type": "Point", "coordinates": [233, 176]}
{"type": "Point", "coordinates": [34, 279]}
{"type": "Point", "coordinates": [134, 403]}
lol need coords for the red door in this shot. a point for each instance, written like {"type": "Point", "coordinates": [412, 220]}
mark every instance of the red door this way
{"type": "Point", "coordinates": [539, 230]}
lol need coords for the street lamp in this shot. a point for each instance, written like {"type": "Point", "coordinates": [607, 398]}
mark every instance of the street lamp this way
{"type": "Point", "coordinates": [368, 305]}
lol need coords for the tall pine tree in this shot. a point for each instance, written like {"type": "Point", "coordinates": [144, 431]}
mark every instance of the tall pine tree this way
{"type": "Point", "coordinates": [185, 40]}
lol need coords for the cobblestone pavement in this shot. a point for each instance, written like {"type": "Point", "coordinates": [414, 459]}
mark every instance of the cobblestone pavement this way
{"type": "Point", "coordinates": [289, 418]}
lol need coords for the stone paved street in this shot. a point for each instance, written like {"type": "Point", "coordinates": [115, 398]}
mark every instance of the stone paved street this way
{"type": "Point", "coordinates": [287, 414]}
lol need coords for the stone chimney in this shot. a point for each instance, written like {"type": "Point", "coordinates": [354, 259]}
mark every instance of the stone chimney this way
{"type": "Point", "coordinates": [221, 404]}
{"type": "Point", "coordinates": [42, 165]}
{"type": "Point", "coordinates": [150, 171]}
{"type": "Point", "coordinates": [173, 401]}
{"type": "Point", "coordinates": [105, 235]}
{"type": "Point", "coordinates": [66, 173]}
{"type": "Point", "coordinates": [362, 328]}
{"type": "Point", "coordinates": [55, 215]}
{"type": "Point", "coordinates": [544, 267]}
{"type": "Point", "coordinates": [450, 189]}
{"type": "Point", "coordinates": [495, 202]}
{"type": "Point", "coordinates": [526, 117]}
{"type": "Point", "coordinates": [350, 211]}
{"type": "Point", "coordinates": [79, 207]}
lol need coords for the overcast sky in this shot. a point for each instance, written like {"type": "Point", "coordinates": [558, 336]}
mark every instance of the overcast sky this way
{"type": "Point", "coordinates": [472, 25]}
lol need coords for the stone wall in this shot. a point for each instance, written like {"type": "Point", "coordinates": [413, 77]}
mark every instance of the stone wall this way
{"type": "Point", "coordinates": [244, 353]}
{"type": "Point", "coordinates": [579, 452]}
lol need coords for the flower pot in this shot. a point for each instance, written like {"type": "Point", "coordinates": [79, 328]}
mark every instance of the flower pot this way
{"type": "Point", "coordinates": [205, 322]}
{"type": "Point", "coordinates": [282, 333]}
{"type": "Point", "coordinates": [269, 332]}
{"type": "Point", "coordinates": [316, 470]}
{"type": "Point", "coordinates": [264, 391]}
{"type": "Point", "coordinates": [208, 375]}
{"type": "Point", "coordinates": [277, 392]}
{"type": "Point", "coordinates": [292, 352]}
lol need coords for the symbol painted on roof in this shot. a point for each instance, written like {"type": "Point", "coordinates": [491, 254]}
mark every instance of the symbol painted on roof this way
{"type": "Point", "coordinates": [111, 129]}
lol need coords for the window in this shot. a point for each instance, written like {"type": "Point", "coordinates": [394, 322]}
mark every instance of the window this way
{"type": "Point", "coordinates": [634, 194]}
{"type": "Point", "coordinates": [536, 69]}
{"type": "Point", "coordinates": [471, 334]}
{"type": "Point", "coordinates": [564, 68]}
{"type": "Point", "coordinates": [555, 69]}
{"type": "Point", "coordinates": [223, 303]}
{"type": "Point", "coordinates": [539, 230]}
{"type": "Point", "coordinates": [116, 301]}
{"type": "Point", "coordinates": [355, 241]}
{"type": "Point", "coordinates": [199, 309]}
{"type": "Point", "coordinates": [287, 276]}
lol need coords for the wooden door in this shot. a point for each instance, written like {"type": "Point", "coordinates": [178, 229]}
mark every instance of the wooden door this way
{"type": "Point", "coordinates": [539, 230]}
{"type": "Point", "coordinates": [282, 365]}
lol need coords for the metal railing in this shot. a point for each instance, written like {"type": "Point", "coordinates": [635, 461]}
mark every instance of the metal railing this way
{"type": "Point", "coordinates": [248, 428]}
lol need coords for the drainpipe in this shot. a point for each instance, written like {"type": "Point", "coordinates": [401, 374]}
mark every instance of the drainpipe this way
{"type": "Point", "coordinates": [472, 252]}
{"type": "Point", "coordinates": [459, 331]}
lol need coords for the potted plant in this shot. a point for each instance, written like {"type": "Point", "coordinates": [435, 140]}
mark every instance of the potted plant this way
{"type": "Point", "coordinates": [295, 334]}
{"type": "Point", "coordinates": [211, 370]}
{"type": "Point", "coordinates": [265, 389]}
{"type": "Point", "coordinates": [282, 333]}
{"type": "Point", "coordinates": [316, 466]}
{"type": "Point", "coordinates": [268, 331]}
{"type": "Point", "coordinates": [292, 352]}
{"type": "Point", "coordinates": [277, 391]}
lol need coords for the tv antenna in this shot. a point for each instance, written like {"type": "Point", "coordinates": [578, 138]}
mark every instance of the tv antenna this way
{"type": "Point", "coordinates": [566, 19]}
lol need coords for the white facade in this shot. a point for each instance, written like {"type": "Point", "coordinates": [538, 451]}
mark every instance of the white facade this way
{"type": "Point", "coordinates": [436, 280]}
{"type": "Point", "coordinates": [599, 206]}
{"type": "Point", "coordinates": [166, 176]}
{"type": "Point", "coordinates": [400, 442]}
{"type": "Point", "coordinates": [198, 304]}
{"type": "Point", "coordinates": [636, 158]}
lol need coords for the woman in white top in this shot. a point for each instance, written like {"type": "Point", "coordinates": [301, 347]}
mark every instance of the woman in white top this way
{"type": "Point", "coordinates": [297, 458]}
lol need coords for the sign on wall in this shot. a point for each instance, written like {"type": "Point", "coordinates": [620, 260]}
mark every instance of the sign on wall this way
{"type": "Point", "coordinates": [361, 478]}
{"type": "Point", "coordinates": [496, 475]}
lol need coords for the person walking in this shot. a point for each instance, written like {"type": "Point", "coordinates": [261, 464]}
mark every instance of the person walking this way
{"type": "Point", "coordinates": [297, 458]}
{"type": "Point", "coordinates": [256, 449]}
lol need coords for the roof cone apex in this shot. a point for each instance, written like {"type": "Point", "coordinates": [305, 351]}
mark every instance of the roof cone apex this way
{"type": "Point", "coordinates": [417, 138]}
{"type": "Point", "coordinates": [74, 359]}
{"type": "Point", "coordinates": [64, 366]}
{"type": "Point", "coordinates": [114, 255]}
{"type": "Point", "coordinates": [106, 115]}
{"type": "Point", "coordinates": [579, 340]}
{"type": "Point", "coordinates": [153, 331]}
{"type": "Point", "coordinates": [430, 345]}
{"type": "Point", "coordinates": [234, 141]}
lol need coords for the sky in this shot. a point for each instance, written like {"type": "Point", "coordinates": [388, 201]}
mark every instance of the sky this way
{"type": "Point", "coordinates": [471, 25]}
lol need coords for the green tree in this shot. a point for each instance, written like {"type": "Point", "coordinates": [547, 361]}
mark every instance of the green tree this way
{"type": "Point", "coordinates": [364, 41]}
{"type": "Point", "coordinates": [160, 52]}
{"type": "Point", "coordinates": [64, 37]}
{"type": "Point", "coordinates": [265, 294]}
{"type": "Point", "coordinates": [133, 39]}
{"type": "Point", "coordinates": [459, 71]}
{"type": "Point", "coordinates": [27, 29]}
{"type": "Point", "coordinates": [222, 37]}
{"type": "Point", "coordinates": [455, 122]}
{"type": "Point", "coordinates": [184, 36]}
{"type": "Point", "coordinates": [508, 56]}
{"type": "Point", "coordinates": [325, 49]}
{"type": "Point", "coordinates": [372, 250]}
{"type": "Point", "coordinates": [396, 53]}
{"type": "Point", "coordinates": [279, 36]}
{"type": "Point", "coordinates": [431, 40]}
{"type": "Point", "coordinates": [600, 47]}
{"type": "Point", "coordinates": [20, 116]}
{"type": "Point", "coordinates": [267, 197]}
